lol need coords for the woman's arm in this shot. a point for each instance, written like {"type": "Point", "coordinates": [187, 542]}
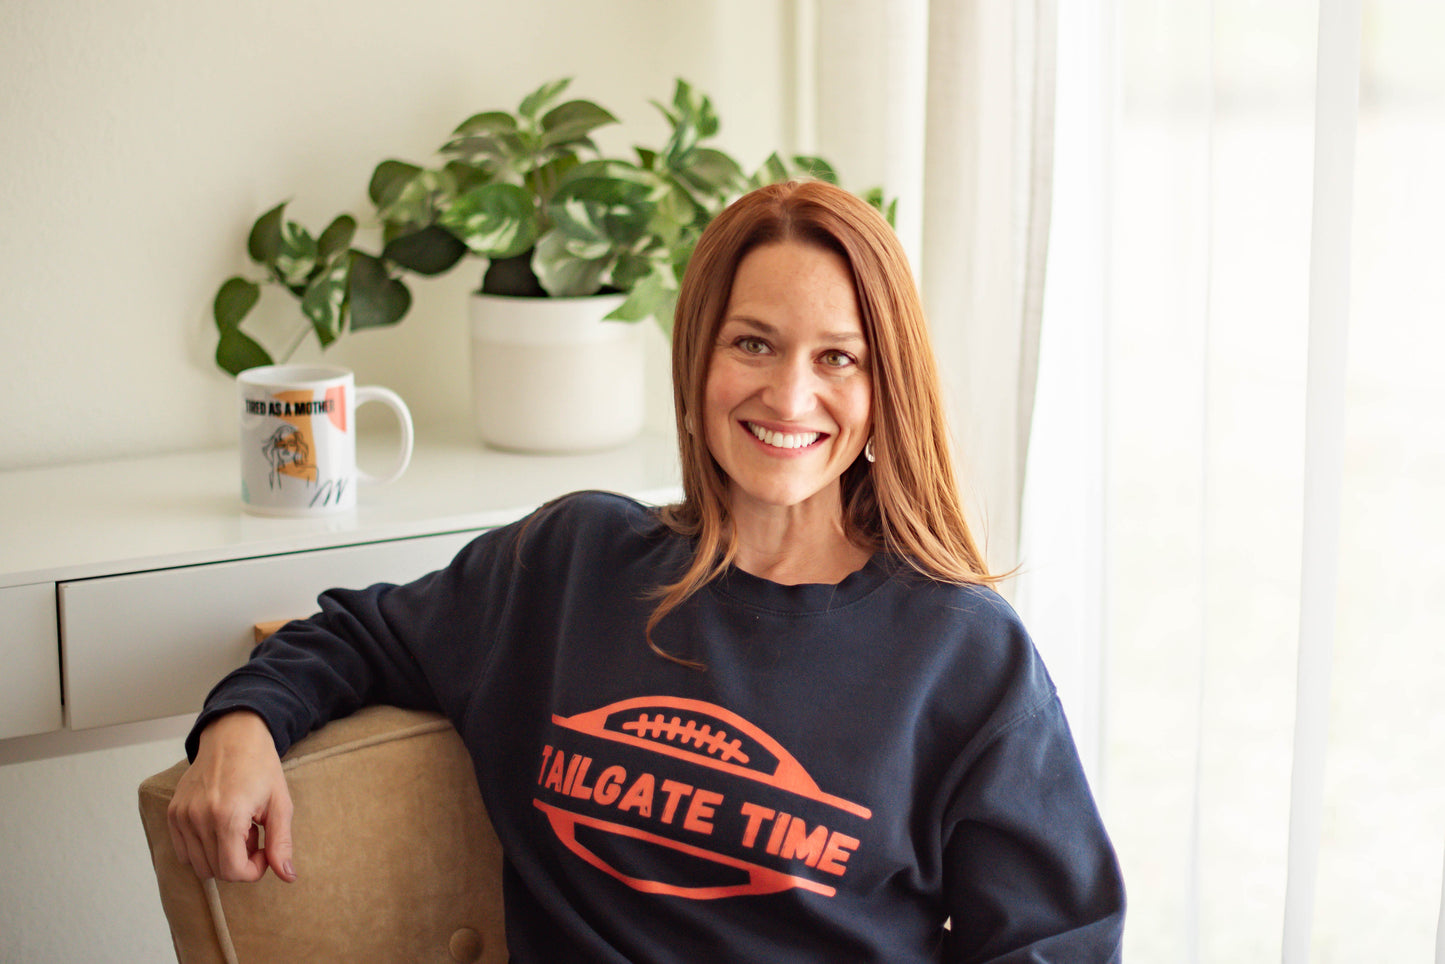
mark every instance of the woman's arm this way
{"type": "Point", "coordinates": [1032, 876]}
{"type": "Point", "coordinates": [416, 646]}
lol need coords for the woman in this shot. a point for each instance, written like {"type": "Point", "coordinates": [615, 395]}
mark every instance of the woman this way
{"type": "Point", "coordinates": [786, 719]}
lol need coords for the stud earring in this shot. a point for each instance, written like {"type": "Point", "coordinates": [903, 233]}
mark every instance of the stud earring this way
{"type": "Point", "coordinates": [868, 450]}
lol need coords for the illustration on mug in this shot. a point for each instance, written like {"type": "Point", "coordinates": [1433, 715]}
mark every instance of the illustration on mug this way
{"type": "Point", "coordinates": [287, 453]}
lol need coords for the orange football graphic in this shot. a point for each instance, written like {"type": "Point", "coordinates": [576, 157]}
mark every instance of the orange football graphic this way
{"type": "Point", "coordinates": [718, 740]}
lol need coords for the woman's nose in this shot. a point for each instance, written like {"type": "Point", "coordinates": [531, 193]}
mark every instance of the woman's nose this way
{"type": "Point", "coordinates": [790, 391]}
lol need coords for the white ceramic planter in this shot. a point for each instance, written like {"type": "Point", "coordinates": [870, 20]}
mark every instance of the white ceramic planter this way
{"type": "Point", "coordinates": [549, 375]}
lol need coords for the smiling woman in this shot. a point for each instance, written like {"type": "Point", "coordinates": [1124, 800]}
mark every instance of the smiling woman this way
{"type": "Point", "coordinates": [787, 408]}
{"type": "Point", "coordinates": [729, 808]}
{"type": "Point", "coordinates": [742, 274]}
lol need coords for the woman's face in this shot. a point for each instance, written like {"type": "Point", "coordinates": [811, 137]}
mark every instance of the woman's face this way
{"type": "Point", "coordinates": [788, 395]}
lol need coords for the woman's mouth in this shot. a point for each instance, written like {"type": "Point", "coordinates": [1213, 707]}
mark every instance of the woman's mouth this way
{"type": "Point", "coordinates": [782, 440]}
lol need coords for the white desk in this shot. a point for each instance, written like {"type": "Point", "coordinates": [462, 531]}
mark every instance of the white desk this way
{"type": "Point", "coordinates": [128, 588]}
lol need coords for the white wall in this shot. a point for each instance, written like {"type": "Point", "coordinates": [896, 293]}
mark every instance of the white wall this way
{"type": "Point", "coordinates": [139, 139]}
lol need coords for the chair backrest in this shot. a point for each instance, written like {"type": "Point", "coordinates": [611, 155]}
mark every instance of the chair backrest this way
{"type": "Point", "coordinates": [395, 857]}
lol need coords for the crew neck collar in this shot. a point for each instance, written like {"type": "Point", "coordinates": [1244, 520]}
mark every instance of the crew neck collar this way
{"type": "Point", "coordinates": [803, 598]}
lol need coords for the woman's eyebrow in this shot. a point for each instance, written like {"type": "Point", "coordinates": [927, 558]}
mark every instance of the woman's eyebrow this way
{"type": "Point", "coordinates": [757, 325]}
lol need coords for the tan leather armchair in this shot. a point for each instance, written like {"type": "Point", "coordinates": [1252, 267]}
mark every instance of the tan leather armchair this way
{"type": "Point", "coordinates": [395, 857]}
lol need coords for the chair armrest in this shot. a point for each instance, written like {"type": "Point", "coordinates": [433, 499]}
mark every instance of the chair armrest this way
{"type": "Point", "coordinates": [395, 855]}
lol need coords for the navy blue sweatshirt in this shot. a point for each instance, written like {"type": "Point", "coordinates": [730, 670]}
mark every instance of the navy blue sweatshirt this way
{"type": "Point", "coordinates": [855, 765]}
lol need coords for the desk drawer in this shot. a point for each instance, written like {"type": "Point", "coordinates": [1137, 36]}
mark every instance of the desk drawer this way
{"type": "Point", "coordinates": [152, 644]}
{"type": "Point", "coordinates": [30, 679]}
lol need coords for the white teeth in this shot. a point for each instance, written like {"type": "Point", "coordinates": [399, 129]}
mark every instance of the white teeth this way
{"type": "Point", "coordinates": [780, 440]}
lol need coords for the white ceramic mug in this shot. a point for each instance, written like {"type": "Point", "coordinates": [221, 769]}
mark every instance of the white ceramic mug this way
{"type": "Point", "coordinates": [298, 439]}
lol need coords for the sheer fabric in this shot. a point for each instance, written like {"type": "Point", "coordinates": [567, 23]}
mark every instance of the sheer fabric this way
{"type": "Point", "coordinates": [1233, 523]}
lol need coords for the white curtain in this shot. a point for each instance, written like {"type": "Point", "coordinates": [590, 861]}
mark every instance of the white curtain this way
{"type": "Point", "coordinates": [1234, 502]}
{"type": "Point", "coordinates": [948, 104]}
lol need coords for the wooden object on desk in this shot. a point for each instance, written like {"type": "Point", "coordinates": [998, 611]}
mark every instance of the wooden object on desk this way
{"type": "Point", "coordinates": [260, 631]}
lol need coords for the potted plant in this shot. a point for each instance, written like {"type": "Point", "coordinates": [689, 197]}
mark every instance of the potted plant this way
{"type": "Point", "coordinates": [574, 246]}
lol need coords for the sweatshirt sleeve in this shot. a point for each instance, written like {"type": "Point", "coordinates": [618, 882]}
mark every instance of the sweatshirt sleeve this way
{"type": "Point", "coordinates": [1031, 874]}
{"type": "Point", "coordinates": [418, 645]}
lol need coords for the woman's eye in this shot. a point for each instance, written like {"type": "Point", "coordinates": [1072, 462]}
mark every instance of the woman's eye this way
{"type": "Point", "coordinates": [751, 345]}
{"type": "Point", "coordinates": [837, 359]}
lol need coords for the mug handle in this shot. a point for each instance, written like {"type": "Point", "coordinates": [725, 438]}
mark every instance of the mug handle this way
{"type": "Point", "coordinates": [375, 393]}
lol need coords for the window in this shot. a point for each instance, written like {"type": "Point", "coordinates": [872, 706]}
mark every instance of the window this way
{"type": "Point", "coordinates": [1176, 348]}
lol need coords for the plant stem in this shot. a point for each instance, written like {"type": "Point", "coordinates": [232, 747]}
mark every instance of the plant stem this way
{"type": "Point", "coordinates": [297, 343]}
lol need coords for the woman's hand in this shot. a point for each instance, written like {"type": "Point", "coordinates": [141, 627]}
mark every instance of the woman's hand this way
{"type": "Point", "coordinates": [234, 788]}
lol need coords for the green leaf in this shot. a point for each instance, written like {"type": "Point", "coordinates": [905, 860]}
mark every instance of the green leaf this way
{"type": "Point", "coordinates": [235, 299]}
{"type": "Point", "coordinates": [772, 171]}
{"type": "Point", "coordinates": [494, 220]}
{"type": "Point", "coordinates": [466, 176]}
{"type": "Point", "coordinates": [324, 302]}
{"type": "Point", "coordinates": [814, 167]}
{"type": "Point", "coordinates": [544, 180]}
{"type": "Point", "coordinates": [430, 251]}
{"type": "Point", "coordinates": [572, 122]}
{"type": "Point", "coordinates": [684, 138]}
{"type": "Point", "coordinates": [297, 257]}
{"type": "Point", "coordinates": [654, 296]}
{"type": "Point", "coordinates": [693, 206]}
{"type": "Point", "coordinates": [595, 214]}
{"type": "Point", "coordinates": [496, 153]}
{"type": "Point", "coordinates": [675, 212]}
{"type": "Point", "coordinates": [889, 209]}
{"type": "Point", "coordinates": [710, 172]}
{"type": "Point", "coordinates": [336, 238]}
{"type": "Point", "coordinates": [695, 109]}
{"type": "Point", "coordinates": [533, 103]}
{"type": "Point", "coordinates": [387, 181]}
{"type": "Point", "coordinates": [614, 170]}
{"type": "Point", "coordinates": [376, 299]}
{"type": "Point", "coordinates": [492, 136]}
{"type": "Point", "coordinates": [487, 122]}
{"type": "Point", "coordinates": [264, 244]}
{"type": "Point", "coordinates": [237, 351]}
{"type": "Point", "coordinates": [632, 267]}
{"type": "Point", "coordinates": [414, 202]}
{"type": "Point", "coordinates": [563, 274]}
{"type": "Point", "coordinates": [666, 112]}
{"type": "Point", "coordinates": [692, 118]}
